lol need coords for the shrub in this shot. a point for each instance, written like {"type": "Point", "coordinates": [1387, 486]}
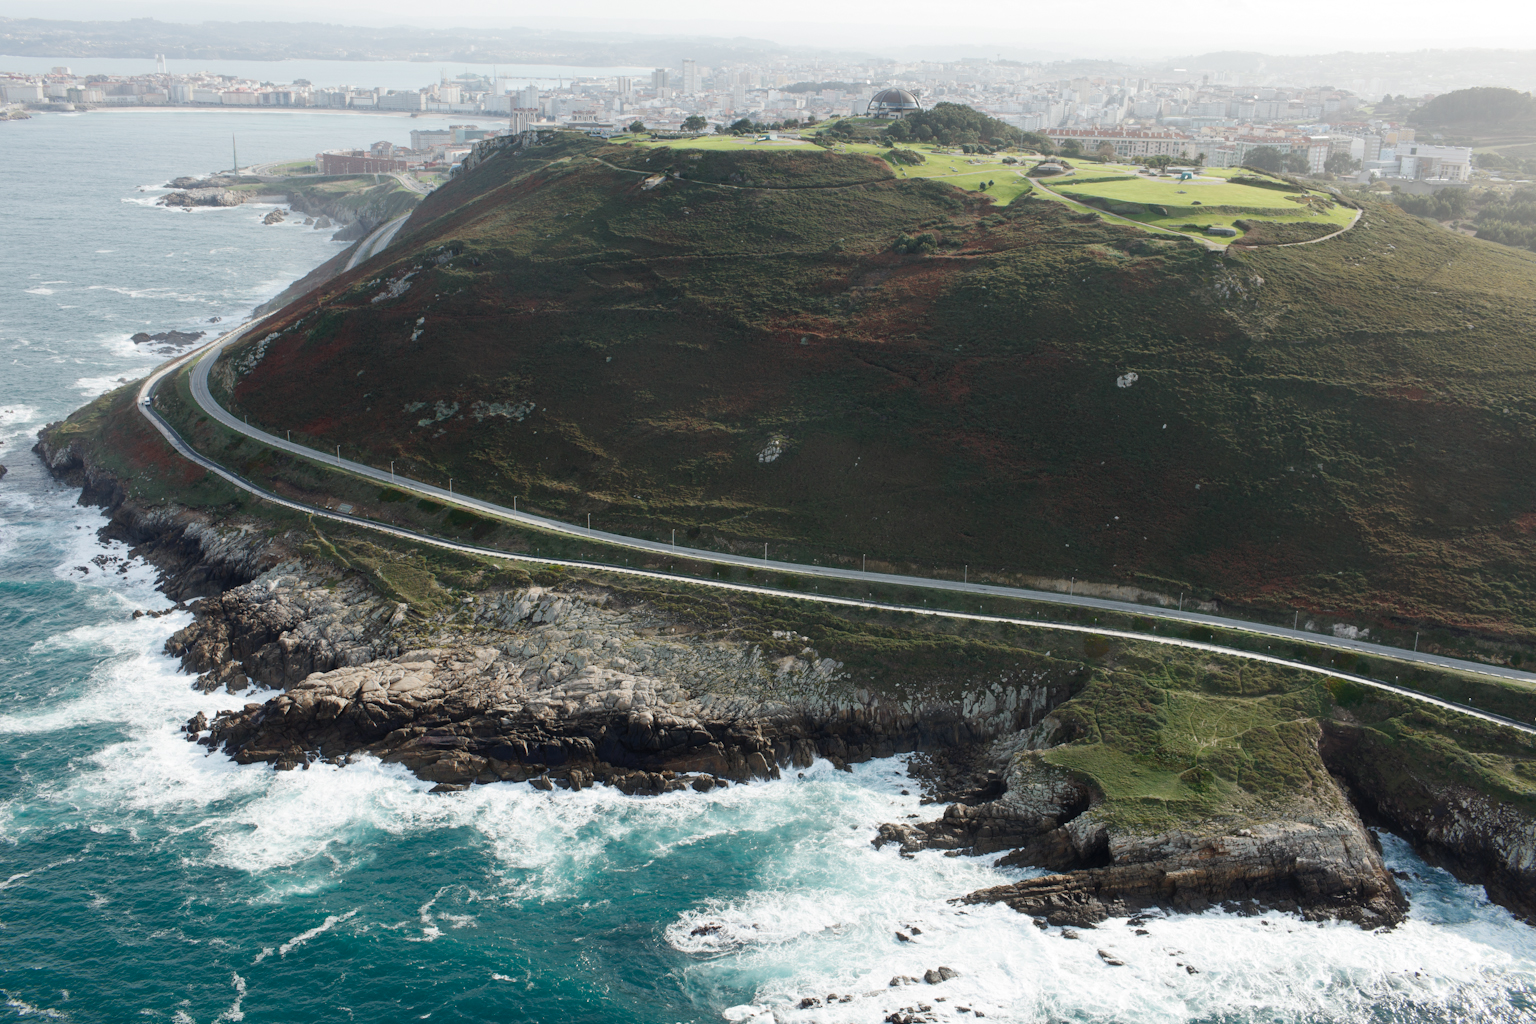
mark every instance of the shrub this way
{"type": "Point", "coordinates": [1345, 693]}
{"type": "Point", "coordinates": [916, 245]}
{"type": "Point", "coordinates": [910, 157]}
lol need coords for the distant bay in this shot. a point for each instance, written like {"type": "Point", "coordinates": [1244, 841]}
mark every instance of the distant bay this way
{"type": "Point", "coordinates": [360, 74]}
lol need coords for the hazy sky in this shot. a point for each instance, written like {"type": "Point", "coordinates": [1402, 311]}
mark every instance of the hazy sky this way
{"type": "Point", "coordinates": [1100, 28]}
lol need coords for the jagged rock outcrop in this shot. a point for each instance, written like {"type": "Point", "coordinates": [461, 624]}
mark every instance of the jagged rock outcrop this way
{"type": "Point", "coordinates": [1322, 866]}
{"type": "Point", "coordinates": [283, 630]}
{"type": "Point", "coordinates": [1310, 854]}
{"type": "Point", "coordinates": [542, 683]}
{"type": "Point", "coordinates": [176, 338]}
{"type": "Point", "coordinates": [203, 197]}
{"type": "Point", "coordinates": [1039, 818]}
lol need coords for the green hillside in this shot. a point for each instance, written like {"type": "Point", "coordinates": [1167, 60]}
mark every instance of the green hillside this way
{"type": "Point", "coordinates": [807, 349]}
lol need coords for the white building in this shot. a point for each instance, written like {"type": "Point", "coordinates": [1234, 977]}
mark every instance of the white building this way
{"type": "Point", "coordinates": [22, 92]}
{"type": "Point", "coordinates": [1442, 163]}
{"type": "Point", "coordinates": [402, 101]}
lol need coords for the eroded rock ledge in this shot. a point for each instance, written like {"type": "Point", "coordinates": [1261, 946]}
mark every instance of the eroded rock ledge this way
{"type": "Point", "coordinates": [1311, 856]}
{"type": "Point", "coordinates": [562, 686]}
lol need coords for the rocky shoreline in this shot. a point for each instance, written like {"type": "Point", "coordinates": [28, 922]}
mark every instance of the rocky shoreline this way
{"type": "Point", "coordinates": [1316, 859]}
{"type": "Point", "coordinates": [562, 685]}
{"type": "Point", "coordinates": [570, 683]}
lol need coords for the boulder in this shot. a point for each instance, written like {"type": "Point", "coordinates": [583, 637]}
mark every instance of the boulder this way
{"type": "Point", "coordinates": [177, 338]}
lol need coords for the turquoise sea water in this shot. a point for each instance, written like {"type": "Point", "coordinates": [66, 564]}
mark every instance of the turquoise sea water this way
{"type": "Point", "coordinates": [143, 878]}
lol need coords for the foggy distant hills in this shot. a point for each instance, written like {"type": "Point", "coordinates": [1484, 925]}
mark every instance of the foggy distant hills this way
{"type": "Point", "coordinates": [215, 40]}
{"type": "Point", "coordinates": [1415, 73]}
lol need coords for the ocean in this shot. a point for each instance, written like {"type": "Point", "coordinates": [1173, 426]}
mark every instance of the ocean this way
{"type": "Point", "coordinates": [144, 878]}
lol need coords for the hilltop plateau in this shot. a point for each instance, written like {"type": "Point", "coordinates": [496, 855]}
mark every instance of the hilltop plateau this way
{"type": "Point", "coordinates": [808, 350]}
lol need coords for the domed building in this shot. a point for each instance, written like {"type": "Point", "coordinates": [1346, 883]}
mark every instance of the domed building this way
{"type": "Point", "coordinates": [893, 103]}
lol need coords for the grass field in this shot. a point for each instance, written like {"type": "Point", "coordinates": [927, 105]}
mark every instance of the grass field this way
{"type": "Point", "coordinates": [293, 167]}
{"type": "Point", "coordinates": [959, 170]}
{"type": "Point", "coordinates": [1209, 200]}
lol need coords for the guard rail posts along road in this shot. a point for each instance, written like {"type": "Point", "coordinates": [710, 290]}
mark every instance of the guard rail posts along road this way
{"type": "Point", "coordinates": [202, 359]}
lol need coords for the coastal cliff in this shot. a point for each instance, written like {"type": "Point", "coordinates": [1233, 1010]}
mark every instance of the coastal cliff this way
{"type": "Point", "coordinates": [1481, 833]}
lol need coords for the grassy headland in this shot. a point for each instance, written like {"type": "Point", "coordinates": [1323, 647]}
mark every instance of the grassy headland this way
{"type": "Point", "coordinates": [1342, 428]}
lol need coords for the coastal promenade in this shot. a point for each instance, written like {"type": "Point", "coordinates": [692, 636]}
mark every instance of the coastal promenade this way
{"type": "Point", "coordinates": [202, 359]}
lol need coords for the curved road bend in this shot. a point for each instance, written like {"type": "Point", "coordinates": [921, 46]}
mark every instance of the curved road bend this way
{"type": "Point", "coordinates": [421, 188]}
{"type": "Point", "coordinates": [204, 357]}
{"type": "Point", "coordinates": [375, 243]}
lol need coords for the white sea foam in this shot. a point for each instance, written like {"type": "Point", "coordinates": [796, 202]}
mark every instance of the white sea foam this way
{"type": "Point", "coordinates": [39, 291]}
{"type": "Point", "coordinates": [90, 387]}
{"type": "Point", "coordinates": [319, 929]}
{"type": "Point", "coordinates": [149, 293]}
{"type": "Point", "coordinates": [24, 1009]}
{"type": "Point", "coordinates": [1478, 963]}
{"type": "Point", "coordinates": [820, 915]}
{"type": "Point", "coordinates": [84, 558]}
{"type": "Point", "coordinates": [17, 419]}
{"type": "Point", "coordinates": [234, 1012]}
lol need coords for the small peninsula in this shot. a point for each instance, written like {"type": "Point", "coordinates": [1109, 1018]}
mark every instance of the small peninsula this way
{"type": "Point", "coordinates": [863, 369]}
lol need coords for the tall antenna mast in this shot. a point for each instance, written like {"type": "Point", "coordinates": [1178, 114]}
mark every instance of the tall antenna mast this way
{"type": "Point", "coordinates": [234, 153]}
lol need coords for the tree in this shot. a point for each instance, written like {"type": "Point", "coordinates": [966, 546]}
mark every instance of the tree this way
{"type": "Point", "coordinates": [1265, 158]}
{"type": "Point", "coordinates": [1106, 151]}
{"type": "Point", "coordinates": [1296, 163]}
{"type": "Point", "coordinates": [1341, 163]}
{"type": "Point", "coordinates": [1072, 148]}
{"type": "Point", "coordinates": [637, 127]}
{"type": "Point", "coordinates": [1483, 105]}
{"type": "Point", "coordinates": [952, 124]}
{"type": "Point", "coordinates": [694, 123]}
{"type": "Point", "coordinates": [741, 126]}
{"type": "Point", "coordinates": [1039, 143]}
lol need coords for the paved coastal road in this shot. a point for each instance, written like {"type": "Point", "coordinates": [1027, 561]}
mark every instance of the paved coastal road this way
{"type": "Point", "coordinates": [375, 243]}
{"type": "Point", "coordinates": [203, 358]}
{"type": "Point", "coordinates": [419, 187]}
